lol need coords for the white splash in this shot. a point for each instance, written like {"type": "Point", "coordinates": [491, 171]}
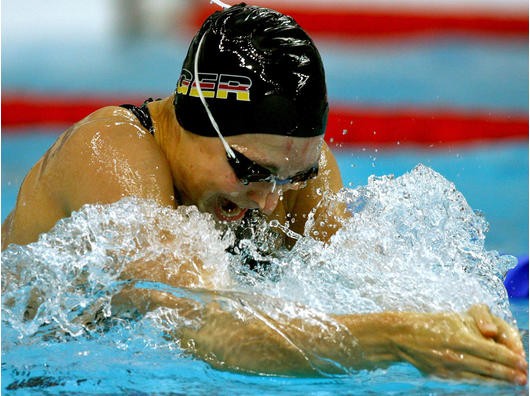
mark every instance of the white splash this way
{"type": "Point", "coordinates": [412, 243]}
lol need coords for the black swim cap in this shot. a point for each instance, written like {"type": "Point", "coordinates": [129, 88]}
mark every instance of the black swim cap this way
{"type": "Point", "coordinates": [259, 72]}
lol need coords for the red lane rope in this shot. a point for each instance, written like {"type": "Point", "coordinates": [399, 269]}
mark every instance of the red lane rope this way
{"type": "Point", "coordinates": [43, 110]}
{"type": "Point", "coordinates": [422, 126]}
{"type": "Point", "coordinates": [363, 23]}
{"type": "Point", "coordinates": [347, 124]}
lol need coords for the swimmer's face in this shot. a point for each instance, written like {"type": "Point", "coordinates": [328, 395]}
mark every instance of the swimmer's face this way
{"type": "Point", "coordinates": [217, 189]}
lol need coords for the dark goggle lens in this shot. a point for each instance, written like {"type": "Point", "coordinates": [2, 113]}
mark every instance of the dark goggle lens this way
{"type": "Point", "coordinates": [248, 171]}
{"type": "Point", "coordinates": [304, 175]}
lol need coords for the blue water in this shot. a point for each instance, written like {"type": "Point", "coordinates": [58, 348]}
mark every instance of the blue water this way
{"type": "Point", "coordinates": [445, 72]}
{"type": "Point", "coordinates": [449, 72]}
{"type": "Point", "coordinates": [74, 369]}
{"type": "Point", "coordinates": [102, 363]}
{"type": "Point", "coordinates": [94, 366]}
{"type": "Point", "coordinates": [468, 75]}
{"type": "Point", "coordinates": [136, 357]}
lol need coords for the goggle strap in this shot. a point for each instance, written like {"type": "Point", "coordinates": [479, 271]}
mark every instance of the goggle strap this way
{"type": "Point", "coordinates": [228, 150]}
{"type": "Point", "coordinates": [220, 3]}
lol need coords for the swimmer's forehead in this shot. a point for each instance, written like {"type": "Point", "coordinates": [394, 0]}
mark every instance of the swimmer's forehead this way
{"type": "Point", "coordinates": [274, 150]}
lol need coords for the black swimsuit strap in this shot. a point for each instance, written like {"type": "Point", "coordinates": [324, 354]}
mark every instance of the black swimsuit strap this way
{"type": "Point", "coordinates": [143, 115]}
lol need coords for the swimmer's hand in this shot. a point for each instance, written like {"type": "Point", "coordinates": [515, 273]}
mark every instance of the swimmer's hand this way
{"type": "Point", "coordinates": [476, 345]}
{"type": "Point", "coordinates": [495, 328]}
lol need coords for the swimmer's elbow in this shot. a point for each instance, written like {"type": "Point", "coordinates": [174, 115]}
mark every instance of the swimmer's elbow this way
{"type": "Point", "coordinates": [7, 226]}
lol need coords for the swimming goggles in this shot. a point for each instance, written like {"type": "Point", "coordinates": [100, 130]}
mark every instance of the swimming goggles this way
{"type": "Point", "coordinates": [246, 170]}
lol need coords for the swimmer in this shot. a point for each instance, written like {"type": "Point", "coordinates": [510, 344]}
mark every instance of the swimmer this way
{"type": "Point", "coordinates": [244, 130]}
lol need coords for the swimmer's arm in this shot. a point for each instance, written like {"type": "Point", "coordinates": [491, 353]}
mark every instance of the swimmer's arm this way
{"type": "Point", "coordinates": [438, 344]}
{"type": "Point", "coordinates": [103, 164]}
{"type": "Point", "coordinates": [300, 203]}
{"type": "Point", "coordinates": [447, 345]}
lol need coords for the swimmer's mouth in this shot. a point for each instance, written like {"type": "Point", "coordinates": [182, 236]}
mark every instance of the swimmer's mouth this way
{"type": "Point", "coordinates": [227, 210]}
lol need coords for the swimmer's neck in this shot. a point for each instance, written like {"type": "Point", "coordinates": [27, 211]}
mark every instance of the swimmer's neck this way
{"type": "Point", "coordinates": [167, 128]}
{"type": "Point", "coordinates": [169, 137]}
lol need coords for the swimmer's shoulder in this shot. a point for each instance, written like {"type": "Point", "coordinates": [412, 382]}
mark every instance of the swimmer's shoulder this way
{"type": "Point", "coordinates": [106, 129]}
{"type": "Point", "coordinates": [113, 120]}
{"type": "Point", "coordinates": [101, 159]}
{"type": "Point", "coordinates": [106, 156]}
{"type": "Point", "coordinates": [105, 135]}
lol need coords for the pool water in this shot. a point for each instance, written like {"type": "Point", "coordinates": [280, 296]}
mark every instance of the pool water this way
{"type": "Point", "coordinates": [462, 73]}
{"type": "Point", "coordinates": [136, 357]}
{"type": "Point", "coordinates": [100, 366]}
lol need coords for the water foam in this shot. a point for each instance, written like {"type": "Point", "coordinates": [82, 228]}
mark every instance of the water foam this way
{"type": "Point", "coordinates": [73, 270]}
{"type": "Point", "coordinates": [411, 244]}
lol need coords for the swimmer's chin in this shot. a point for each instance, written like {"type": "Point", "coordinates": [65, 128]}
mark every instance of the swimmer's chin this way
{"type": "Point", "coordinates": [227, 210]}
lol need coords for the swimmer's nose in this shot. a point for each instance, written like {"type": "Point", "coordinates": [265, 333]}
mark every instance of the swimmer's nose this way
{"type": "Point", "coordinates": [266, 200]}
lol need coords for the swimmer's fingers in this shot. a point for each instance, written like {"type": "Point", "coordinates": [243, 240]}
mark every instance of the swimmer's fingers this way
{"type": "Point", "coordinates": [478, 368]}
{"type": "Point", "coordinates": [472, 358]}
{"type": "Point", "coordinates": [469, 358]}
{"type": "Point", "coordinates": [509, 336]}
{"type": "Point", "coordinates": [449, 344]}
{"type": "Point", "coordinates": [492, 354]}
{"type": "Point", "coordinates": [495, 328]}
{"type": "Point", "coordinates": [484, 320]}
{"type": "Point", "coordinates": [487, 373]}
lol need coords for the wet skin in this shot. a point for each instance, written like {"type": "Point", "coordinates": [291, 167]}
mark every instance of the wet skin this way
{"type": "Point", "coordinates": [109, 155]}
